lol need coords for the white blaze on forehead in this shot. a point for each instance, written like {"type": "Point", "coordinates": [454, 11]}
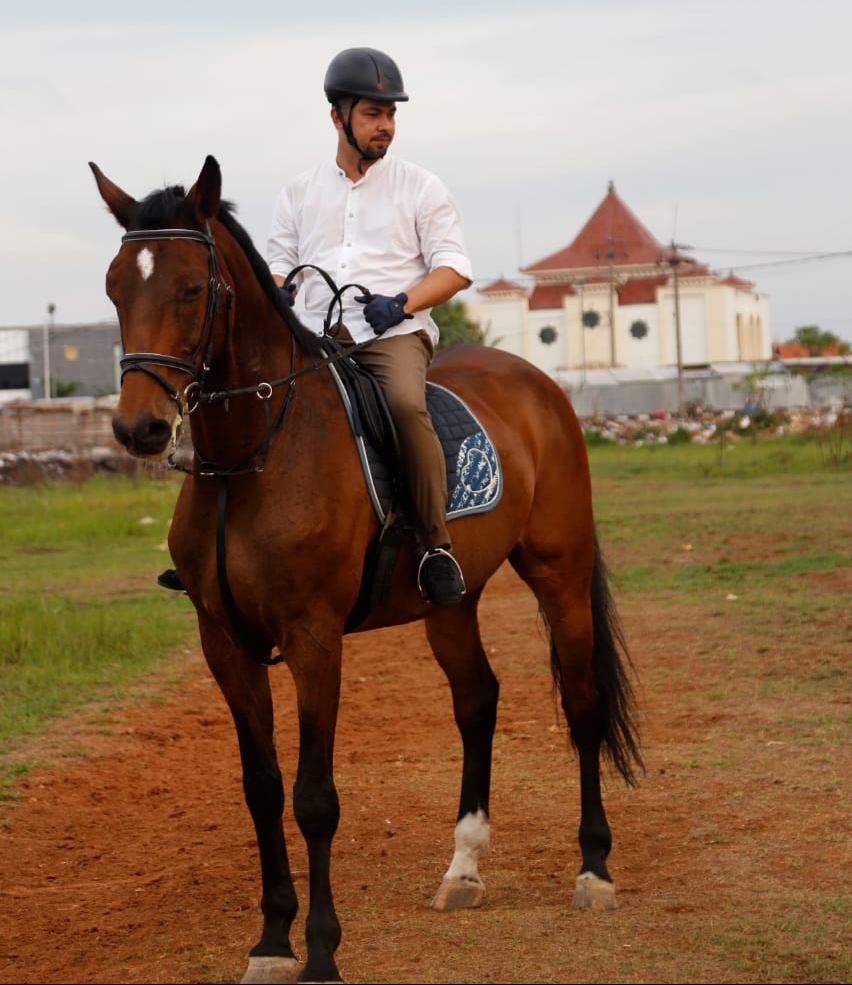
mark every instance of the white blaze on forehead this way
{"type": "Point", "coordinates": [145, 263]}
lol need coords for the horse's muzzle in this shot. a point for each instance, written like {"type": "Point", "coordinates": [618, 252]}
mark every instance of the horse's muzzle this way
{"type": "Point", "coordinates": [147, 436]}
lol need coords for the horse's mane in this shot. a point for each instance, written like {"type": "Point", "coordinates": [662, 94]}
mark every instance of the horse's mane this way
{"type": "Point", "coordinates": [161, 209]}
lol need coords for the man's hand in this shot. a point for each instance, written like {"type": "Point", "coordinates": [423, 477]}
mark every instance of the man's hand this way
{"type": "Point", "coordinates": [383, 312]}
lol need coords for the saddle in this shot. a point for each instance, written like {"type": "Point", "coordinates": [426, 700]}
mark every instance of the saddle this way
{"type": "Point", "coordinates": [474, 475]}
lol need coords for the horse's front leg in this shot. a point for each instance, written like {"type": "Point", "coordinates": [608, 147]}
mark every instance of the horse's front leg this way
{"type": "Point", "coordinates": [316, 672]}
{"type": "Point", "coordinates": [245, 686]}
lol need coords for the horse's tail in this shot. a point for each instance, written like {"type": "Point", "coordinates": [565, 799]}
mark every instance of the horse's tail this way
{"type": "Point", "coordinates": [612, 666]}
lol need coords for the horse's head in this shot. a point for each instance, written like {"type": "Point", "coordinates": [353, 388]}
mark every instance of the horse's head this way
{"type": "Point", "coordinates": [169, 293]}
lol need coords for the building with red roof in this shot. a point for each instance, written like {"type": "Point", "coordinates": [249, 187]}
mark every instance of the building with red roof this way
{"type": "Point", "coordinates": [616, 297]}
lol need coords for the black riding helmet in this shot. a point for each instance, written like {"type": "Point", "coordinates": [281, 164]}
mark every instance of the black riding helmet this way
{"type": "Point", "coordinates": [362, 73]}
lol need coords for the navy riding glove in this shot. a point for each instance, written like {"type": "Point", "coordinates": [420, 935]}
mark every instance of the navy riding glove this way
{"type": "Point", "coordinates": [288, 294]}
{"type": "Point", "coordinates": [383, 312]}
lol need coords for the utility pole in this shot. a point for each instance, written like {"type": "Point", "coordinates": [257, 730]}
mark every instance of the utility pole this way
{"type": "Point", "coordinates": [674, 261]}
{"type": "Point", "coordinates": [610, 255]}
{"type": "Point", "coordinates": [578, 284]}
{"type": "Point", "coordinates": [681, 402]}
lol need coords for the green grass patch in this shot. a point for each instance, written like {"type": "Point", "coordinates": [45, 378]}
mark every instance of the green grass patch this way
{"type": "Point", "coordinates": [81, 616]}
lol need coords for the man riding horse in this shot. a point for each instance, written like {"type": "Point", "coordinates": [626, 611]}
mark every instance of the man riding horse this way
{"type": "Point", "coordinates": [365, 218]}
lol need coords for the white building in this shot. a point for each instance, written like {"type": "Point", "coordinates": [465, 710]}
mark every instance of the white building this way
{"type": "Point", "coordinates": [614, 299]}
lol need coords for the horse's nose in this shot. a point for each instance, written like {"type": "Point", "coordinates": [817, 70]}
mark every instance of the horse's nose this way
{"type": "Point", "coordinates": [145, 437]}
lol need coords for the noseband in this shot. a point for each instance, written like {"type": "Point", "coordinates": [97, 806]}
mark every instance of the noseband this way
{"type": "Point", "coordinates": [198, 365]}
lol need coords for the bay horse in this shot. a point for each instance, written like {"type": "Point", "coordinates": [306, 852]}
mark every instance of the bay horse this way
{"type": "Point", "coordinates": [273, 522]}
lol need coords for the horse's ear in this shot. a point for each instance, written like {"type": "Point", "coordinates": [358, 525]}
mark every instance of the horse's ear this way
{"type": "Point", "coordinates": [122, 205]}
{"type": "Point", "coordinates": [206, 193]}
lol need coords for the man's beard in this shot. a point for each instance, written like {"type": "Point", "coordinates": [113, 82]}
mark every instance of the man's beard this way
{"type": "Point", "coordinates": [373, 153]}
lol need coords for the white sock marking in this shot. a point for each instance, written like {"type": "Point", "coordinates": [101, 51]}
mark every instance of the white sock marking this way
{"type": "Point", "coordinates": [473, 832]}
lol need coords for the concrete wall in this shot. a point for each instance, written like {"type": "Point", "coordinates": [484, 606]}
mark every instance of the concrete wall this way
{"type": "Point", "coordinates": [714, 394]}
{"type": "Point", "coordinates": [72, 425]}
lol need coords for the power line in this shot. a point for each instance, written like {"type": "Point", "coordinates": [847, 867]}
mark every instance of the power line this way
{"type": "Point", "coordinates": [777, 253]}
{"type": "Point", "coordinates": [792, 260]}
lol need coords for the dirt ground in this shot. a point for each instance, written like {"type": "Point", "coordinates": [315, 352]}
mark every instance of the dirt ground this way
{"type": "Point", "coordinates": [130, 857]}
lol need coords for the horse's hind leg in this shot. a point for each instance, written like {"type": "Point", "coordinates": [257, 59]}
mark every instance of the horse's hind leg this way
{"type": "Point", "coordinates": [564, 593]}
{"type": "Point", "coordinates": [453, 634]}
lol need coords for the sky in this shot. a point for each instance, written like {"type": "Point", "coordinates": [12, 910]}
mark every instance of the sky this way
{"type": "Point", "coordinates": [726, 127]}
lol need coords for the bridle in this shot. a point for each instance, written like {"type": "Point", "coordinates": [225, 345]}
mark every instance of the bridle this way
{"type": "Point", "coordinates": [198, 365]}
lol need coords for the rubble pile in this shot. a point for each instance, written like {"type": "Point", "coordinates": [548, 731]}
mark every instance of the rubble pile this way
{"type": "Point", "coordinates": [702, 427]}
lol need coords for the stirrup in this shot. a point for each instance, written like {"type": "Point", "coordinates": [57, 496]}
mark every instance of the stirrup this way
{"type": "Point", "coordinates": [451, 587]}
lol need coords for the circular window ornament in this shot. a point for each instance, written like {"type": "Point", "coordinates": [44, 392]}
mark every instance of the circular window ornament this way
{"type": "Point", "coordinates": [547, 334]}
{"type": "Point", "coordinates": [591, 319]}
{"type": "Point", "coordinates": [639, 329]}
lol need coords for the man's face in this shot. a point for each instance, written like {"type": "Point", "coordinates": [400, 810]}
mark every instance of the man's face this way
{"type": "Point", "coordinates": [373, 124]}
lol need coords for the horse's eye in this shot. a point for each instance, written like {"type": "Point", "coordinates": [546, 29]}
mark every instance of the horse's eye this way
{"type": "Point", "coordinates": [192, 292]}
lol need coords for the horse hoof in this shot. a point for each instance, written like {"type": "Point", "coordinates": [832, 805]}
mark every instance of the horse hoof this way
{"type": "Point", "coordinates": [459, 894]}
{"type": "Point", "coordinates": [593, 893]}
{"type": "Point", "coordinates": [271, 971]}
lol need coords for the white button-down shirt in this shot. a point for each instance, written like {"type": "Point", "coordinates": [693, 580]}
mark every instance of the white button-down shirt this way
{"type": "Point", "coordinates": [384, 232]}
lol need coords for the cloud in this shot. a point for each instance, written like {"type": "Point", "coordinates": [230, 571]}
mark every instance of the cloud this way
{"type": "Point", "coordinates": [722, 123]}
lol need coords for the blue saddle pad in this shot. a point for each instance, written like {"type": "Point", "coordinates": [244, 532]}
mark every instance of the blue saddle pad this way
{"type": "Point", "coordinates": [474, 475]}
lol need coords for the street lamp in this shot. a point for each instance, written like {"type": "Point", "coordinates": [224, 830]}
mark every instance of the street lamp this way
{"type": "Point", "coordinates": [48, 331]}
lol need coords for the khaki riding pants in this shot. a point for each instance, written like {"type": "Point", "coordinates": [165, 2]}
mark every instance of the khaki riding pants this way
{"type": "Point", "coordinates": [399, 363]}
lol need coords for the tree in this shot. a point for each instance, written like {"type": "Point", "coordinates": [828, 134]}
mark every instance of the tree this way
{"type": "Point", "coordinates": [819, 343]}
{"type": "Point", "coordinates": [456, 328]}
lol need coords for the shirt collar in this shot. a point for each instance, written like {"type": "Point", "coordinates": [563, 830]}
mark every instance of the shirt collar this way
{"type": "Point", "coordinates": [378, 166]}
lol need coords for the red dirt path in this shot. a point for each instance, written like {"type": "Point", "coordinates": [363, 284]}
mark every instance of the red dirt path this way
{"type": "Point", "coordinates": [131, 858]}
